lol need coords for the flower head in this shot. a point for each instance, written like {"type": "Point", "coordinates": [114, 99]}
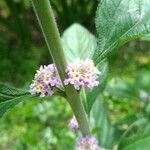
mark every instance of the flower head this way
{"type": "Point", "coordinates": [44, 80]}
{"type": "Point", "coordinates": [87, 143]}
{"type": "Point", "coordinates": [73, 124]}
{"type": "Point", "coordinates": [82, 73]}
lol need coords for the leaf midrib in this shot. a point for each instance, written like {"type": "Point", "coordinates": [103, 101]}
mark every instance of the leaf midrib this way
{"type": "Point", "coordinates": [13, 95]}
{"type": "Point", "coordinates": [115, 42]}
{"type": "Point", "coordinates": [12, 99]}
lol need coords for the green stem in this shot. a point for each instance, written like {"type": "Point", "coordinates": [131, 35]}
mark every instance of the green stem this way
{"type": "Point", "coordinates": [47, 22]}
{"type": "Point", "coordinates": [48, 25]}
{"type": "Point", "coordinates": [78, 109]}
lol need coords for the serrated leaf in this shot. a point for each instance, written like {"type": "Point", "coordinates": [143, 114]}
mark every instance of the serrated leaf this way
{"type": "Point", "coordinates": [100, 123]}
{"type": "Point", "coordinates": [10, 103]}
{"type": "Point", "coordinates": [91, 95]}
{"type": "Point", "coordinates": [4, 97]}
{"type": "Point", "coordinates": [119, 21]}
{"type": "Point", "coordinates": [10, 91]}
{"type": "Point", "coordinates": [78, 43]}
{"type": "Point", "coordinates": [9, 97]}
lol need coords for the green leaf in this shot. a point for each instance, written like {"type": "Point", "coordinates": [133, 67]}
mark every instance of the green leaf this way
{"type": "Point", "coordinates": [9, 97]}
{"type": "Point", "coordinates": [138, 142]}
{"type": "Point", "coordinates": [121, 89]}
{"type": "Point", "coordinates": [100, 123]}
{"type": "Point", "coordinates": [119, 21]}
{"type": "Point", "coordinates": [143, 80]}
{"type": "Point", "coordinates": [91, 95]}
{"type": "Point", "coordinates": [146, 38]}
{"type": "Point", "coordinates": [10, 103]}
{"type": "Point", "coordinates": [78, 43]}
{"type": "Point", "coordinates": [4, 97]}
{"type": "Point", "coordinates": [133, 139]}
{"type": "Point", "coordinates": [10, 91]}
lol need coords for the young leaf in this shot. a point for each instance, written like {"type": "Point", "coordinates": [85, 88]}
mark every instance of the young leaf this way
{"type": "Point", "coordinates": [93, 94]}
{"type": "Point", "coordinates": [78, 43]}
{"type": "Point", "coordinates": [9, 97]}
{"type": "Point", "coordinates": [119, 21]}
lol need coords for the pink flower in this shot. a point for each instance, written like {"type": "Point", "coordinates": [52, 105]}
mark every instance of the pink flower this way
{"type": "Point", "coordinates": [44, 80]}
{"type": "Point", "coordinates": [87, 143]}
{"type": "Point", "coordinates": [73, 124]}
{"type": "Point", "coordinates": [82, 73]}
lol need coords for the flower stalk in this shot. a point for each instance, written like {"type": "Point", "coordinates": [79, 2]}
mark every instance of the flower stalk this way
{"type": "Point", "coordinates": [50, 31]}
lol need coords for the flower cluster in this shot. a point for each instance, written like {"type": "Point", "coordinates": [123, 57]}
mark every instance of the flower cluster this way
{"type": "Point", "coordinates": [82, 73]}
{"type": "Point", "coordinates": [73, 124]}
{"type": "Point", "coordinates": [87, 143]}
{"type": "Point", "coordinates": [44, 80]}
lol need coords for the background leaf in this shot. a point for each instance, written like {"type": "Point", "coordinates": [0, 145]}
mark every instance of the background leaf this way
{"type": "Point", "coordinates": [100, 123]}
{"type": "Point", "coordinates": [146, 38]}
{"type": "Point", "coordinates": [119, 21]}
{"type": "Point", "coordinates": [143, 80]}
{"type": "Point", "coordinates": [121, 89]}
{"type": "Point", "coordinates": [137, 143]}
{"type": "Point", "coordinates": [132, 137]}
{"type": "Point", "coordinates": [78, 42]}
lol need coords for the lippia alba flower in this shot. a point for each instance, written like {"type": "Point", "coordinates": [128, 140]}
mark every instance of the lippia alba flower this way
{"type": "Point", "coordinates": [73, 124]}
{"type": "Point", "coordinates": [87, 143]}
{"type": "Point", "coordinates": [44, 81]}
{"type": "Point", "coordinates": [82, 73]}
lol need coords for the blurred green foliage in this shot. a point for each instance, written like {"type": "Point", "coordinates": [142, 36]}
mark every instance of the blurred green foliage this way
{"type": "Point", "coordinates": [70, 11]}
{"type": "Point", "coordinates": [42, 124]}
{"type": "Point", "coordinates": [37, 125]}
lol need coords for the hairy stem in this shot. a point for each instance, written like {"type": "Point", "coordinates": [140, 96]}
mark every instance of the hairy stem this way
{"type": "Point", "coordinates": [49, 28]}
